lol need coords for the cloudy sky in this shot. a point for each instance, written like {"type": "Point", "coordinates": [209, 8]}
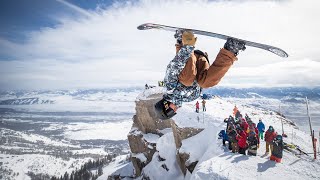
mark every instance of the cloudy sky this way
{"type": "Point", "coordinates": [57, 44]}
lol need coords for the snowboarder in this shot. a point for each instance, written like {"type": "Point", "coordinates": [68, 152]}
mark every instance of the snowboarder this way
{"type": "Point", "coordinates": [204, 105]}
{"type": "Point", "coordinates": [261, 128]}
{"type": "Point", "coordinates": [197, 107]}
{"type": "Point", "coordinates": [253, 143]}
{"type": "Point", "coordinates": [188, 72]}
{"type": "Point", "coordinates": [277, 151]}
{"type": "Point", "coordinates": [269, 136]}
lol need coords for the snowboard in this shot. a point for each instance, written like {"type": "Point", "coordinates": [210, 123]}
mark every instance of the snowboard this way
{"type": "Point", "coordinates": [269, 48]}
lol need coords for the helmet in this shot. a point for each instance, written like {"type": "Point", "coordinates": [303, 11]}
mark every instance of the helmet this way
{"type": "Point", "coordinates": [278, 138]}
{"type": "Point", "coordinates": [271, 128]}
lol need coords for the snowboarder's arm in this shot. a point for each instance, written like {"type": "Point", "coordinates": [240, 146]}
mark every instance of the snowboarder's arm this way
{"type": "Point", "coordinates": [189, 72]}
{"type": "Point", "coordinates": [212, 76]}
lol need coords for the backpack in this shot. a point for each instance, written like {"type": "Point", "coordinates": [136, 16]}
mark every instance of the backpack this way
{"type": "Point", "coordinates": [198, 52]}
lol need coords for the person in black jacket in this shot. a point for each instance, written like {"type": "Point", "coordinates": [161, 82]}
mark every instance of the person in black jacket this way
{"type": "Point", "coordinates": [277, 150]}
{"type": "Point", "coordinates": [232, 133]}
{"type": "Point", "coordinates": [253, 143]}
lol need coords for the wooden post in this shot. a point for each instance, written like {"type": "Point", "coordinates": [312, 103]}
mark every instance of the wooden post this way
{"type": "Point", "coordinates": [312, 135]}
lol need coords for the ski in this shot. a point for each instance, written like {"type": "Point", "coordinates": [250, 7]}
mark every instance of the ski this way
{"type": "Point", "coordinates": [269, 48]}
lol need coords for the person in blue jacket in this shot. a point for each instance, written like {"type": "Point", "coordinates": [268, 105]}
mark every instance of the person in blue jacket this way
{"type": "Point", "coordinates": [261, 128]}
{"type": "Point", "coordinates": [223, 135]}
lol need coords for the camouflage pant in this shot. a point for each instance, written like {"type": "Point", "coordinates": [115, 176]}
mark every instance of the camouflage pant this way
{"type": "Point", "coordinates": [176, 91]}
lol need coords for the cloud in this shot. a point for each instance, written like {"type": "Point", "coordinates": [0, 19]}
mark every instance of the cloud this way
{"type": "Point", "coordinates": [105, 48]}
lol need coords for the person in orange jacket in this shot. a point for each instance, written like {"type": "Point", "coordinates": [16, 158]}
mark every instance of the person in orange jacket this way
{"type": "Point", "coordinates": [189, 72]}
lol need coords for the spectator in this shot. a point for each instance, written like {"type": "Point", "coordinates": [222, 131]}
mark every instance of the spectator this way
{"type": "Point", "coordinates": [232, 133]}
{"type": "Point", "coordinates": [242, 141]}
{"type": "Point", "coordinates": [277, 151]}
{"type": "Point", "coordinates": [253, 143]}
{"type": "Point", "coordinates": [204, 105]}
{"type": "Point", "coordinates": [223, 135]}
{"type": "Point", "coordinates": [197, 107]}
{"type": "Point", "coordinates": [261, 128]}
{"type": "Point", "coordinates": [269, 136]}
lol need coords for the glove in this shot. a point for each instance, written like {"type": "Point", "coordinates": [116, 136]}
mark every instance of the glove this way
{"type": "Point", "coordinates": [188, 38]}
{"type": "Point", "coordinates": [178, 36]}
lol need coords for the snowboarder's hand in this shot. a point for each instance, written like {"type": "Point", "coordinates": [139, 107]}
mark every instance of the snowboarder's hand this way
{"type": "Point", "coordinates": [178, 36]}
{"type": "Point", "coordinates": [188, 38]}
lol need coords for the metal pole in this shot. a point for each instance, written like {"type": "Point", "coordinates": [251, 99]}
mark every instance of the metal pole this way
{"type": "Point", "coordinates": [312, 140]}
{"type": "Point", "coordinates": [314, 146]}
{"type": "Point", "coordinates": [281, 119]}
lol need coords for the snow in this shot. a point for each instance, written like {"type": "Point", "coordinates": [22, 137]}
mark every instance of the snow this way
{"type": "Point", "coordinates": [118, 166]}
{"type": "Point", "coordinates": [140, 156]}
{"type": "Point", "coordinates": [217, 162]}
{"type": "Point", "coordinates": [152, 138]}
{"type": "Point", "coordinates": [36, 163]}
{"type": "Point", "coordinates": [167, 150]}
{"type": "Point", "coordinates": [196, 146]}
{"type": "Point", "coordinates": [108, 130]}
{"type": "Point", "coordinates": [35, 138]}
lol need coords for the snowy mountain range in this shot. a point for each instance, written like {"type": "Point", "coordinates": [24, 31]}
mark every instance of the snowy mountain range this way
{"type": "Point", "coordinates": [64, 127]}
{"type": "Point", "coordinates": [294, 95]}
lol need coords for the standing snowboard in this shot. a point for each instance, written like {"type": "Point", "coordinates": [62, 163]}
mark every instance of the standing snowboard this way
{"type": "Point", "coordinates": [272, 49]}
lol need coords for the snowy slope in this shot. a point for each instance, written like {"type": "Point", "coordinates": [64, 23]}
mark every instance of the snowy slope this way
{"type": "Point", "coordinates": [215, 162]}
{"type": "Point", "coordinates": [36, 163]}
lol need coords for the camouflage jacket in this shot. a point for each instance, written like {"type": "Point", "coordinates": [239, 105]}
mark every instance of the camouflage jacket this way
{"type": "Point", "coordinates": [177, 92]}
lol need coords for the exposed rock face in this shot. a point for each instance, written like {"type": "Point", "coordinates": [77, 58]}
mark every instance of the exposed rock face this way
{"type": "Point", "coordinates": [145, 126]}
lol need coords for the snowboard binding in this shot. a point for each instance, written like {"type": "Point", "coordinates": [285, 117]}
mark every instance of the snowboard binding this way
{"type": "Point", "coordinates": [234, 46]}
{"type": "Point", "coordinates": [164, 110]}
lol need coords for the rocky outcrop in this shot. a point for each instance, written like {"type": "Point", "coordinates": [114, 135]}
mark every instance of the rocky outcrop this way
{"type": "Point", "coordinates": [147, 128]}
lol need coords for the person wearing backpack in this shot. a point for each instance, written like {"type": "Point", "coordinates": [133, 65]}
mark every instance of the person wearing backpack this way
{"type": "Point", "coordinates": [190, 71]}
{"type": "Point", "coordinates": [252, 143]}
{"type": "Point", "coordinates": [277, 150]}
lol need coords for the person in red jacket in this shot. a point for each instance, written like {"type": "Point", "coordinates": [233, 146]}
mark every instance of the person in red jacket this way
{"type": "Point", "coordinates": [268, 137]}
{"type": "Point", "coordinates": [254, 128]}
{"type": "Point", "coordinates": [242, 141]}
{"type": "Point", "coordinates": [197, 107]}
{"type": "Point", "coordinates": [245, 125]}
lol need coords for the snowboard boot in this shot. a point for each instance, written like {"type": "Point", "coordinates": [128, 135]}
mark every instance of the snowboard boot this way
{"type": "Point", "coordinates": [234, 46]}
{"type": "Point", "coordinates": [164, 110]}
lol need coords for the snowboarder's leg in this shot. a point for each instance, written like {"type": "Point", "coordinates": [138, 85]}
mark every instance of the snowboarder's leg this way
{"type": "Point", "coordinates": [164, 109]}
